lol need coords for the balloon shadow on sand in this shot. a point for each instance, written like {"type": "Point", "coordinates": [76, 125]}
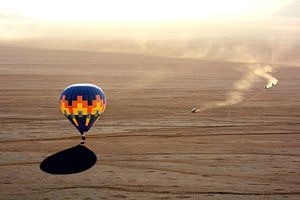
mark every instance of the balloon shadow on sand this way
{"type": "Point", "coordinates": [69, 161]}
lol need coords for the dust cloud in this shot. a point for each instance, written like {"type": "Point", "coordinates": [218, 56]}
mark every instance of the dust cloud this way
{"type": "Point", "coordinates": [241, 86]}
{"type": "Point", "coordinates": [264, 74]}
{"type": "Point", "coordinates": [258, 46]}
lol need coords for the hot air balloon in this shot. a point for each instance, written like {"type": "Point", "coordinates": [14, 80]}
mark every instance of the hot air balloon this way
{"type": "Point", "coordinates": [82, 104]}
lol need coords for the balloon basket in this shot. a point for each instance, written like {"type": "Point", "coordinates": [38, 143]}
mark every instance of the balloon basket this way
{"type": "Point", "coordinates": [82, 140]}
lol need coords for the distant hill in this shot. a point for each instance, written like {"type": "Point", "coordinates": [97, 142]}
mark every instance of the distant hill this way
{"type": "Point", "coordinates": [292, 10]}
{"type": "Point", "coordinates": [13, 17]}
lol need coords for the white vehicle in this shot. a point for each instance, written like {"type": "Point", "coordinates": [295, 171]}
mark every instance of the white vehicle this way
{"type": "Point", "coordinates": [194, 110]}
{"type": "Point", "coordinates": [269, 86]}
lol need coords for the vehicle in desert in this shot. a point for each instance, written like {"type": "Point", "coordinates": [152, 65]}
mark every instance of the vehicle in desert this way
{"type": "Point", "coordinates": [194, 110]}
{"type": "Point", "coordinates": [269, 86]}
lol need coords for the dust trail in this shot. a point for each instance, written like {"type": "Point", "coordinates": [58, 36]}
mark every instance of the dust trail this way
{"type": "Point", "coordinates": [264, 74]}
{"type": "Point", "coordinates": [242, 85]}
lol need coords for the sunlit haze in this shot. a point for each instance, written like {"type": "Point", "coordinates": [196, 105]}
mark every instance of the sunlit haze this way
{"type": "Point", "coordinates": [184, 28]}
{"type": "Point", "coordinates": [137, 10]}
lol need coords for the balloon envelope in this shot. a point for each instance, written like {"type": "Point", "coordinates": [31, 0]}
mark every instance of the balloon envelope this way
{"type": "Point", "coordinates": [82, 104]}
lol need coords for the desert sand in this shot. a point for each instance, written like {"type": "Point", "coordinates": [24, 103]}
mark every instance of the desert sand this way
{"type": "Point", "coordinates": [148, 144]}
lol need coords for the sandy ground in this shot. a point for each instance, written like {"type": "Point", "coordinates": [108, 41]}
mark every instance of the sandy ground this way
{"type": "Point", "coordinates": [148, 144]}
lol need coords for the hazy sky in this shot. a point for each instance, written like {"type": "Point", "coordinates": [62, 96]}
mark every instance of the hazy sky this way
{"type": "Point", "coordinates": [136, 10]}
{"type": "Point", "coordinates": [141, 20]}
